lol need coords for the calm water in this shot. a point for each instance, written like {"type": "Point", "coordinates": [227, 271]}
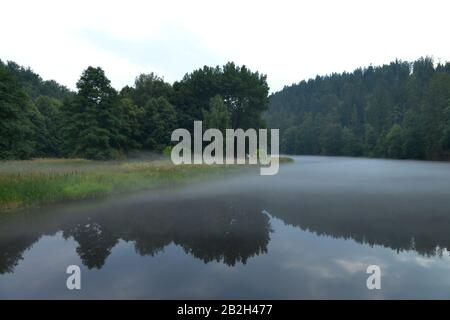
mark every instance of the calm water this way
{"type": "Point", "coordinates": [309, 232]}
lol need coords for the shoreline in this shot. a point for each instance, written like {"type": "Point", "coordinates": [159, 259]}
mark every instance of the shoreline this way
{"type": "Point", "coordinates": [33, 183]}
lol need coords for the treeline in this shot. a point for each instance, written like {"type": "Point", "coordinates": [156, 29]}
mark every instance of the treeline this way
{"type": "Point", "coordinates": [44, 119]}
{"type": "Point", "coordinates": [400, 110]}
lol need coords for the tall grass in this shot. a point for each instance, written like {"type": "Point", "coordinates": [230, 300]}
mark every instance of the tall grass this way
{"type": "Point", "coordinates": [29, 183]}
{"type": "Point", "coordinates": [41, 181]}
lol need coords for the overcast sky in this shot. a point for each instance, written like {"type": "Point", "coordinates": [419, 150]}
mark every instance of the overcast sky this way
{"type": "Point", "coordinates": [287, 40]}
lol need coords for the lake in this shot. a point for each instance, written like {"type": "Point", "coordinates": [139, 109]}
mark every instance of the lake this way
{"type": "Point", "coordinates": [310, 231]}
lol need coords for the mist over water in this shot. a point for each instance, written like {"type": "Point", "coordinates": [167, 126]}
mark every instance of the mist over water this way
{"type": "Point", "coordinates": [308, 232]}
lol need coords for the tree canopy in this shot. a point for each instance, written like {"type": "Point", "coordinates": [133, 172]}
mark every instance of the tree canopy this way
{"type": "Point", "coordinates": [399, 110]}
{"type": "Point", "coordinates": [42, 118]}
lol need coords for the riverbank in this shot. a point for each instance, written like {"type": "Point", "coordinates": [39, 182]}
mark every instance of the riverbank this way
{"type": "Point", "coordinates": [43, 181]}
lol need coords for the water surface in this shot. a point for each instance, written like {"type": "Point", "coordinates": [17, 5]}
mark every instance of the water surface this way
{"type": "Point", "coordinates": [308, 232]}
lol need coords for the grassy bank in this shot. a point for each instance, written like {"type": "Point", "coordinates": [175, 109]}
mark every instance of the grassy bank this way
{"type": "Point", "coordinates": [29, 183]}
{"type": "Point", "coordinates": [42, 181]}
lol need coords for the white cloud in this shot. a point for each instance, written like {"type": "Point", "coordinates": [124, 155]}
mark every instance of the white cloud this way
{"type": "Point", "coordinates": [287, 40]}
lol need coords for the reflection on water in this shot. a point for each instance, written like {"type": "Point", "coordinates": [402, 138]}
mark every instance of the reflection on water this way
{"type": "Point", "coordinates": [308, 232]}
{"type": "Point", "coordinates": [229, 231]}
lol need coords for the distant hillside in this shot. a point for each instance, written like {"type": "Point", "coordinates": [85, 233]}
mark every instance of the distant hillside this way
{"type": "Point", "coordinates": [400, 110]}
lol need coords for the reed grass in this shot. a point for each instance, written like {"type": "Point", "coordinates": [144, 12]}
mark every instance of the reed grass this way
{"type": "Point", "coordinates": [42, 181]}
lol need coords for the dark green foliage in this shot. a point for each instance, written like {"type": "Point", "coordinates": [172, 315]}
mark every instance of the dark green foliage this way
{"type": "Point", "coordinates": [445, 139]}
{"type": "Point", "coordinates": [17, 119]}
{"type": "Point", "coordinates": [131, 118]}
{"type": "Point", "coordinates": [398, 110]}
{"type": "Point", "coordinates": [225, 97]}
{"type": "Point", "coordinates": [218, 116]}
{"type": "Point", "coordinates": [331, 139]}
{"type": "Point", "coordinates": [33, 84]}
{"type": "Point", "coordinates": [245, 94]}
{"type": "Point", "coordinates": [394, 142]}
{"type": "Point", "coordinates": [92, 118]}
{"type": "Point", "coordinates": [351, 146]}
{"type": "Point", "coordinates": [158, 121]}
{"type": "Point", "coordinates": [149, 117]}
{"type": "Point", "coordinates": [42, 118]}
{"type": "Point", "coordinates": [148, 86]}
{"type": "Point", "coordinates": [50, 110]}
{"type": "Point", "coordinates": [192, 94]}
{"type": "Point", "coordinates": [243, 91]}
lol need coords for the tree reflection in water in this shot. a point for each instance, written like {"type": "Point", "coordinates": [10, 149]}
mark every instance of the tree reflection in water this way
{"type": "Point", "coordinates": [228, 230]}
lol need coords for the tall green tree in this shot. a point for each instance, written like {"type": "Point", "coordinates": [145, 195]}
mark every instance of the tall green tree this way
{"type": "Point", "coordinates": [244, 92]}
{"type": "Point", "coordinates": [92, 125]}
{"type": "Point", "coordinates": [149, 86]}
{"type": "Point", "coordinates": [246, 95]}
{"type": "Point", "coordinates": [158, 121]}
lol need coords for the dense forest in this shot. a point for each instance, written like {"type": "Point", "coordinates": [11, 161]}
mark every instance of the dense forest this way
{"type": "Point", "coordinates": [400, 110]}
{"type": "Point", "coordinates": [44, 119]}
